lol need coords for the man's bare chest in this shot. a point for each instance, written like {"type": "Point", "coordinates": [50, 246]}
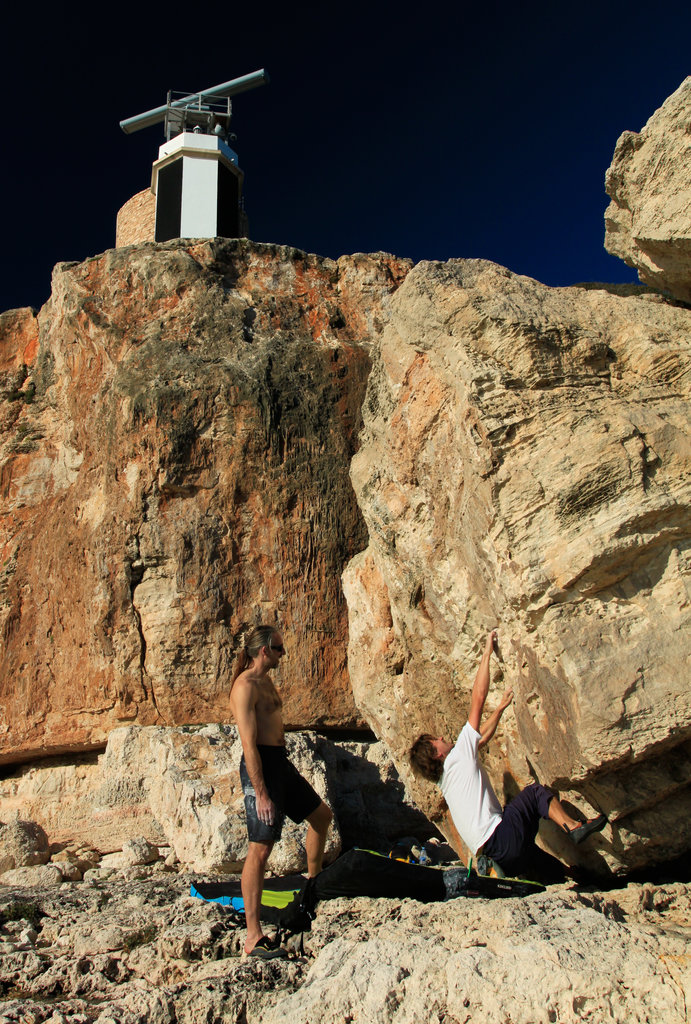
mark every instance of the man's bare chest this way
{"type": "Point", "coordinates": [268, 700]}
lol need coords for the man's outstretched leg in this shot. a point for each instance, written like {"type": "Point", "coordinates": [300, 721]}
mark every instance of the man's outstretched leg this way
{"type": "Point", "coordinates": [315, 840]}
{"type": "Point", "coordinates": [252, 882]}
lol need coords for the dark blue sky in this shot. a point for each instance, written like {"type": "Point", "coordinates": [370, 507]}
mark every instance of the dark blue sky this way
{"type": "Point", "coordinates": [460, 130]}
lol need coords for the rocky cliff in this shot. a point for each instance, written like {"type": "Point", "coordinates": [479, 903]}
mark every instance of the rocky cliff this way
{"type": "Point", "coordinates": [176, 433]}
{"type": "Point", "coordinates": [648, 222]}
{"type": "Point", "coordinates": [179, 789]}
{"type": "Point", "coordinates": [197, 436]}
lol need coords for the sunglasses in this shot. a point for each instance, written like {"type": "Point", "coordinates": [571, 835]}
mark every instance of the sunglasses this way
{"type": "Point", "coordinates": [277, 647]}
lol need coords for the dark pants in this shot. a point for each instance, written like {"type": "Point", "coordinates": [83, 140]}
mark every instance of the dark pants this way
{"type": "Point", "coordinates": [512, 844]}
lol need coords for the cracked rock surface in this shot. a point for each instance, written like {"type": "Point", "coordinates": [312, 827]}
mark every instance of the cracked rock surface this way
{"type": "Point", "coordinates": [648, 222]}
{"type": "Point", "coordinates": [130, 952]}
{"type": "Point", "coordinates": [179, 789]}
{"type": "Point", "coordinates": [524, 465]}
{"type": "Point", "coordinates": [176, 428]}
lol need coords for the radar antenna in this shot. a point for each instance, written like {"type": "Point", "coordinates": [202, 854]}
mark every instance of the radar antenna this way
{"type": "Point", "coordinates": [196, 110]}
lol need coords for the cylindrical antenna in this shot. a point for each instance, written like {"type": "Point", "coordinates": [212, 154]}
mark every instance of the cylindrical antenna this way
{"type": "Point", "coordinates": [232, 88]}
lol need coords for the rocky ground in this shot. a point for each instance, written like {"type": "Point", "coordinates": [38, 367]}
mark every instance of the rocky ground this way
{"type": "Point", "coordinates": [131, 946]}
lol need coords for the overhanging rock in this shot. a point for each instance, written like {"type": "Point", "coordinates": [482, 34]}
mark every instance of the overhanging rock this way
{"type": "Point", "coordinates": [525, 464]}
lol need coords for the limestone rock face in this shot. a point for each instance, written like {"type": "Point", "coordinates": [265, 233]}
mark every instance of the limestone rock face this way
{"type": "Point", "coordinates": [648, 222]}
{"type": "Point", "coordinates": [40, 875]}
{"type": "Point", "coordinates": [174, 449]}
{"type": "Point", "coordinates": [163, 786]}
{"type": "Point", "coordinates": [525, 464]}
{"type": "Point", "coordinates": [180, 788]}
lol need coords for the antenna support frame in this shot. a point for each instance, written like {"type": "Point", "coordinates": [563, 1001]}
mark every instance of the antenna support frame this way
{"type": "Point", "coordinates": [205, 115]}
{"type": "Point", "coordinates": [203, 103]}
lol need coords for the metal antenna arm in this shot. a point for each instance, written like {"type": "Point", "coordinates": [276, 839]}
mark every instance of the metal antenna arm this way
{"type": "Point", "coordinates": [232, 88]}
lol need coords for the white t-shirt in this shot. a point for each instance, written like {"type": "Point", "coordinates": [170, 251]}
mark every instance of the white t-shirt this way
{"type": "Point", "coordinates": [474, 807]}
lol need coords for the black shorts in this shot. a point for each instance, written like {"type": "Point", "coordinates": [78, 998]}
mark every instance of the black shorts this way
{"type": "Point", "coordinates": [291, 794]}
{"type": "Point", "coordinates": [514, 837]}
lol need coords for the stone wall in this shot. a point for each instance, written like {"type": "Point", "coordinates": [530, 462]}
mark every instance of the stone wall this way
{"type": "Point", "coordinates": [136, 221]}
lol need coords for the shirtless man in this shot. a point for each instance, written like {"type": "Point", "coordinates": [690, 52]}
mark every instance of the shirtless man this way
{"type": "Point", "coordinates": [508, 836]}
{"type": "Point", "coordinates": [272, 785]}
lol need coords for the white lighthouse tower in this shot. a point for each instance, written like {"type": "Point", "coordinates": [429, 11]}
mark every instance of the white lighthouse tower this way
{"type": "Point", "coordinates": [196, 181]}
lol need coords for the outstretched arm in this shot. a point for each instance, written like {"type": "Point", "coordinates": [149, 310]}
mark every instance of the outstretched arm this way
{"type": "Point", "coordinates": [490, 726]}
{"type": "Point", "coordinates": [481, 684]}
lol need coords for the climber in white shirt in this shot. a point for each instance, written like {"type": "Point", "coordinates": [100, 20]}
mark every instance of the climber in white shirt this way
{"type": "Point", "coordinates": [508, 836]}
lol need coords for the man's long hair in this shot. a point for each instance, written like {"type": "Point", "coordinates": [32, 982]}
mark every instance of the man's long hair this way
{"type": "Point", "coordinates": [424, 760]}
{"type": "Point", "coordinates": [260, 636]}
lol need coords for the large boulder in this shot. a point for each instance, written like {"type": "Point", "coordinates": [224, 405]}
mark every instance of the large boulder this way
{"type": "Point", "coordinates": [525, 465]}
{"type": "Point", "coordinates": [560, 956]}
{"type": "Point", "coordinates": [22, 844]}
{"type": "Point", "coordinates": [173, 787]}
{"type": "Point", "coordinates": [648, 222]}
{"type": "Point", "coordinates": [180, 787]}
{"type": "Point", "coordinates": [175, 436]}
